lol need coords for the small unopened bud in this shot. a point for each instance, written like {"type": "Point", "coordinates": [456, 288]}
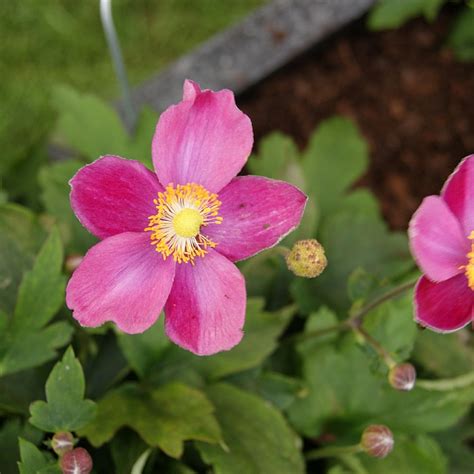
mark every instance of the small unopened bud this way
{"type": "Point", "coordinates": [62, 443]}
{"type": "Point", "coordinates": [402, 376]}
{"type": "Point", "coordinates": [77, 461]}
{"type": "Point", "coordinates": [377, 441]}
{"type": "Point", "coordinates": [72, 262]}
{"type": "Point", "coordinates": [307, 258]}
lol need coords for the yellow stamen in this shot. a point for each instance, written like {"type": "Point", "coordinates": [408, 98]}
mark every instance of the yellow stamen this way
{"type": "Point", "coordinates": [469, 268]}
{"type": "Point", "coordinates": [182, 211]}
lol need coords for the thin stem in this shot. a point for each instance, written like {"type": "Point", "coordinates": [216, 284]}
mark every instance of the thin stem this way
{"type": "Point", "coordinates": [117, 59]}
{"type": "Point", "coordinates": [356, 318]}
{"type": "Point", "coordinates": [381, 351]}
{"type": "Point", "coordinates": [333, 451]}
{"type": "Point", "coordinates": [445, 385]}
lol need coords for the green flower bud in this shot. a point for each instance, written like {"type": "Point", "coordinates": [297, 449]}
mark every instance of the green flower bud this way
{"type": "Point", "coordinates": [377, 441]}
{"type": "Point", "coordinates": [307, 258]}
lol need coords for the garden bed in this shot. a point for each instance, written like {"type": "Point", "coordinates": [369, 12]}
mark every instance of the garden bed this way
{"type": "Point", "coordinates": [410, 97]}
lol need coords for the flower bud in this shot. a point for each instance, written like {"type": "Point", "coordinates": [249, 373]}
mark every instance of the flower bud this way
{"type": "Point", "coordinates": [377, 441]}
{"type": "Point", "coordinates": [62, 443]}
{"type": "Point", "coordinates": [307, 258]}
{"type": "Point", "coordinates": [77, 461]}
{"type": "Point", "coordinates": [72, 262]}
{"type": "Point", "coordinates": [402, 376]}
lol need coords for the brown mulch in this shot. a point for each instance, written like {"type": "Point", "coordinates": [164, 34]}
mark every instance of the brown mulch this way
{"type": "Point", "coordinates": [412, 100]}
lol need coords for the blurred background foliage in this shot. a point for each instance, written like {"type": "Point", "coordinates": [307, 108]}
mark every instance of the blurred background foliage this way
{"type": "Point", "coordinates": [141, 403]}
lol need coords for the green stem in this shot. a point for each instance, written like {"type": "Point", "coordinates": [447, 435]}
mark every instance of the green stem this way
{"type": "Point", "coordinates": [354, 320]}
{"type": "Point", "coordinates": [445, 385]}
{"type": "Point", "coordinates": [381, 351]}
{"type": "Point", "coordinates": [333, 451]}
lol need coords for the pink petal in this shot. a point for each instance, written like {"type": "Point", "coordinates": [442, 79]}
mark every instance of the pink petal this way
{"type": "Point", "coordinates": [437, 241]}
{"type": "Point", "coordinates": [445, 306]}
{"type": "Point", "coordinates": [205, 311]}
{"type": "Point", "coordinates": [121, 279]}
{"type": "Point", "coordinates": [257, 213]}
{"type": "Point", "coordinates": [205, 139]}
{"type": "Point", "coordinates": [114, 195]}
{"type": "Point", "coordinates": [458, 192]}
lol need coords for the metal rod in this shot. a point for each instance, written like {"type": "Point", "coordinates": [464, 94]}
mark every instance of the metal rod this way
{"type": "Point", "coordinates": [117, 59]}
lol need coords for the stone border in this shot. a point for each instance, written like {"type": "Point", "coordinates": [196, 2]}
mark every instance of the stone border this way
{"type": "Point", "coordinates": [246, 53]}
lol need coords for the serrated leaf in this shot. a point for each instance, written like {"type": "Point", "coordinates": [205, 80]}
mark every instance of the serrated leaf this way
{"type": "Point", "coordinates": [55, 189]}
{"type": "Point", "coordinates": [21, 237]}
{"type": "Point", "coordinates": [418, 454]}
{"type": "Point", "coordinates": [461, 38]}
{"type": "Point", "coordinates": [41, 291]}
{"type": "Point", "coordinates": [341, 381]}
{"type": "Point", "coordinates": [33, 461]}
{"type": "Point", "coordinates": [26, 341]}
{"type": "Point", "coordinates": [391, 14]}
{"type": "Point", "coordinates": [93, 127]}
{"type": "Point", "coordinates": [163, 417]}
{"type": "Point", "coordinates": [336, 156]}
{"type": "Point", "coordinates": [65, 408]}
{"type": "Point", "coordinates": [258, 438]}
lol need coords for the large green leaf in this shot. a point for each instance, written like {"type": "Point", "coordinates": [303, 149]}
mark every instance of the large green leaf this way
{"type": "Point", "coordinates": [26, 340]}
{"type": "Point", "coordinates": [336, 156]}
{"type": "Point", "coordinates": [21, 237]}
{"type": "Point", "coordinates": [257, 436]}
{"type": "Point", "coordinates": [93, 128]}
{"type": "Point", "coordinates": [461, 38]}
{"type": "Point", "coordinates": [346, 394]}
{"type": "Point", "coordinates": [33, 461]}
{"type": "Point", "coordinates": [152, 355]}
{"type": "Point", "coordinates": [352, 241]}
{"type": "Point", "coordinates": [54, 181]}
{"type": "Point", "coordinates": [163, 417]}
{"type": "Point", "coordinates": [388, 14]}
{"type": "Point", "coordinates": [65, 408]}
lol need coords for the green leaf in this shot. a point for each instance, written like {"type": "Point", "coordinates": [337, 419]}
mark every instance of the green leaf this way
{"type": "Point", "coordinates": [65, 409]}
{"type": "Point", "coordinates": [41, 291]}
{"type": "Point", "coordinates": [257, 436]}
{"type": "Point", "coordinates": [26, 341]}
{"type": "Point", "coordinates": [278, 158]}
{"type": "Point", "coordinates": [390, 14]}
{"type": "Point", "coordinates": [54, 182]}
{"type": "Point", "coordinates": [419, 454]}
{"type": "Point", "coordinates": [22, 236]}
{"type": "Point", "coordinates": [445, 355]}
{"type": "Point", "coordinates": [33, 461]}
{"type": "Point", "coordinates": [10, 431]}
{"type": "Point", "coordinates": [126, 448]}
{"type": "Point", "coordinates": [340, 382]}
{"type": "Point", "coordinates": [163, 417]}
{"type": "Point", "coordinates": [380, 253]}
{"type": "Point", "coordinates": [93, 128]}
{"type": "Point", "coordinates": [461, 38]}
{"type": "Point", "coordinates": [336, 156]}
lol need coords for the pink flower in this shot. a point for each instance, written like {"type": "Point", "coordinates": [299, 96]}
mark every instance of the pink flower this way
{"type": "Point", "coordinates": [442, 241]}
{"type": "Point", "coordinates": [170, 237]}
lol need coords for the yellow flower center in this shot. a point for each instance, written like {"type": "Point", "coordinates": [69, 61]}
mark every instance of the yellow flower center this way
{"type": "Point", "coordinates": [469, 268]}
{"type": "Point", "coordinates": [182, 212]}
{"type": "Point", "coordinates": [187, 222]}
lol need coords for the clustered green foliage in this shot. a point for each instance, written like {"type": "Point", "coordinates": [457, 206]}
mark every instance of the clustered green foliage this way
{"type": "Point", "coordinates": [390, 14]}
{"type": "Point", "coordinates": [140, 404]}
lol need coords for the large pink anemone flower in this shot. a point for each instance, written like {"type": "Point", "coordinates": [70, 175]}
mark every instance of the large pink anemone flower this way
{"type": "Point", "coordinates": [169, 238]}
{"type": "Point", "coordinates": [442, 242]}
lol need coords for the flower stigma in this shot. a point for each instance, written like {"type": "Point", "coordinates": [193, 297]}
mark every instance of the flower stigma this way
{"type": "Point", "coordinates": [182, 212]}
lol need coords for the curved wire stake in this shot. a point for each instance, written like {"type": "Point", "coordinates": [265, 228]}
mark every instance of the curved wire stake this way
{"type": "Point", "coordinates": [117, 58]}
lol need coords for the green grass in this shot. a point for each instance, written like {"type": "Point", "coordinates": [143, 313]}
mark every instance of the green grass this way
{"type": "Point", "coordinates": [46, 42]}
